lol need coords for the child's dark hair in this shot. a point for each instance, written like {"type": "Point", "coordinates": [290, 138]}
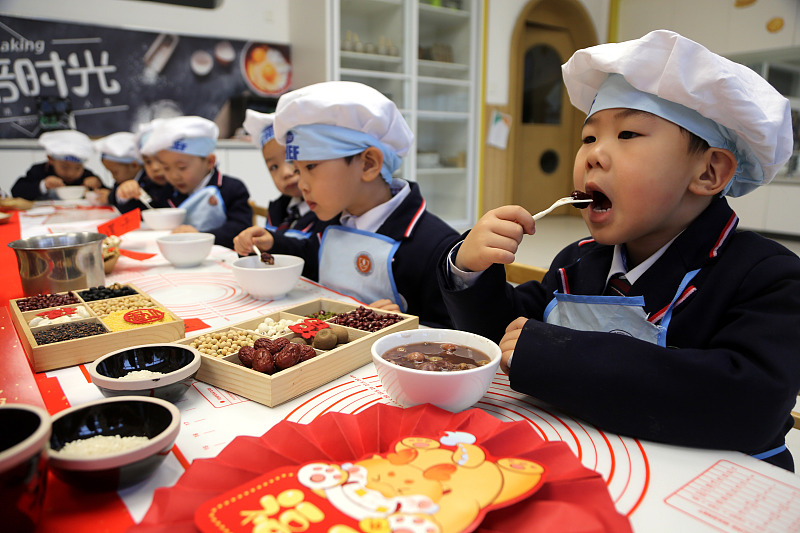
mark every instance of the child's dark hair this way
{"type": "Point", "coordinates": [697, 145]}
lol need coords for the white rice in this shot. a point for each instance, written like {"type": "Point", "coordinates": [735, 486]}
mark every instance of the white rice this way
{"type": "Point", "coordinates": [100, 445]}
{"type": "Point", "coordinates": [141, 374]}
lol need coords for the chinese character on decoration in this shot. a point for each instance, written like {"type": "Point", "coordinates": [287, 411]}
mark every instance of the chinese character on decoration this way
{"type": "Point", "coordinates": [143, 316]}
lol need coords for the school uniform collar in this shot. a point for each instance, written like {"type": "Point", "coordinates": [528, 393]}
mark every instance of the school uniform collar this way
{"type": "Point", "coordinates": [619, 262]}
{"type": "Point", "coordinates": [373, 219]}
{"type": "Point", "coordinates": [302, 206]}
{"type": "Point", "coordinates": [699, 244]}
{"type": "Point", "coordinates": [203, 183]}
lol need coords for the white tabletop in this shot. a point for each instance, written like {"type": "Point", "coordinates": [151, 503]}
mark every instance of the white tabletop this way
{"type": "Point", "coordinates": [659, 487]}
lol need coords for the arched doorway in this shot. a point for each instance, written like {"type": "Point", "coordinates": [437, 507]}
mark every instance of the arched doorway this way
{"type": "Point", "coordinates": [536, 168]}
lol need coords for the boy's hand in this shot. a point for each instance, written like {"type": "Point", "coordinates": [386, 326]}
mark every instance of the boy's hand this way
{"type": "Point", "coordinates": [185, 228]}
{"type": "Point", "coordinates": [495, 238]}
{"type": "Point", "coordinates": [386, 305]}
{"type": "Point", "coordinates": [509, 341]}
{"type": "Point", "coordinates": [243, 243]}
{"type": "Point", "coordinates": [128, 190]}
{"type": "Point", "coordinates": [92, 183]}
{"type": "Point", "coordinates": [53, 182]}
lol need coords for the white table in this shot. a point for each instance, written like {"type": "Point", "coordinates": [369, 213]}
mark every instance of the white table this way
{"type": "Point", "coordinates": [659, 487]}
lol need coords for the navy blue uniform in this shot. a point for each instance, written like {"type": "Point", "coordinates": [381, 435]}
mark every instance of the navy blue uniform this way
{"type": "Point", "coordinates": [730, 373]}
{"type": "Point", "coordinates": [28, 185]}
{"type": "Point", "coordinates": [237, 209]}
{"type": "Point", "coordinates": [159, 194]}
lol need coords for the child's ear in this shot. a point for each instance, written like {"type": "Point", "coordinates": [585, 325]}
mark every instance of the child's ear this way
{"type": "Point", "coordinates": [372, 161]}
{"type": "Point", "coordinates": [211, 162]}
{"type": "Point", "coordinates": [720, 166]}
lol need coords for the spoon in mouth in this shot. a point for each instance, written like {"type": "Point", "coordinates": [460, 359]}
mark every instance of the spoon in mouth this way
{"type": "Point", "coordinates": [574, 199]}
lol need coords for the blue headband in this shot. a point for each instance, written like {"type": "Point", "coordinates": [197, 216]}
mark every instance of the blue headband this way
{"type": "Point", "coordinates": [70, 158]}
{"type": "Point", "coordinates": [320, 142]}
{"type": "Point", "coordinates": [199, 146]}
{"type": "Point", "coordinates": [267, 134]}
{"type": "Point", "coordinates": [118, 159]}
{"type": "Point", "coordinates": [615, 92]}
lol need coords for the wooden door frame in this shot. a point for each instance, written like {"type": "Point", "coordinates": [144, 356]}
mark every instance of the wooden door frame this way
{"type": "Point", "coordinates": [498, 164]}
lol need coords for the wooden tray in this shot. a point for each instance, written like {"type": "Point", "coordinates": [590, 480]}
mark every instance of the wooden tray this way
{"type": "Point", "coordinates": [227, 372]}
{"type": "Point", "coordinates": [86, 349]}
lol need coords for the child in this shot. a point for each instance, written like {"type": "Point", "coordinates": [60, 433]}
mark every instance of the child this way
{"type": "Point", "coordinates": [120, 156]}
{"type": "Point", "coordinates": [214, 203]}
{"type": "Point", "coordinates": [292, 228]}
{"type": "Point", "coordinates": [346, 139]}
{"type": "Point", "coordinates": [703, 349]}
{"type": "Point", "coordinates": [149, 183]}
{"type": "Point", "coordinates": [67, 151]}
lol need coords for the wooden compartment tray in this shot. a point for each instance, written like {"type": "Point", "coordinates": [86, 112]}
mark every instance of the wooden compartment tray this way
{"type": "Point", "coordinates": [228, 373]}
{"type": "Point", "coordinates": [86, 349]}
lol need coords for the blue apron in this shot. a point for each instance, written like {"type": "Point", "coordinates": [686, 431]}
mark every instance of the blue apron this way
{"type": "Point", "coordinates": [619, 314]}
{"type": "Point", "coordinates": [359, 263]}
{"type": "Point", "coordinates": [205, 209]}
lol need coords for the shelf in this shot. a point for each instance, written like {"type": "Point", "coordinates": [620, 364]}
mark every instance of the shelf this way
{"type": "Point", "coordinates": [442, 16]}
{"type": "Point", "coordinates": [442, 116]}
{"type": "Point", "coordinates": [371, 7]}
{"type": "Point", "coordinates": [375, 61]}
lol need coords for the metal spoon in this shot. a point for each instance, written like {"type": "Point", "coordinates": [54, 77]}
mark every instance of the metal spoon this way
{"type": "Point", "coordinates": [145, 199]}
{"type": "Point", "coordinates": [558, 203]}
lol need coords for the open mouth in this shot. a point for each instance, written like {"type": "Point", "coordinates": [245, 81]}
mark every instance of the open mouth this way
{"type": "Point", "coordinates": [600, 202]}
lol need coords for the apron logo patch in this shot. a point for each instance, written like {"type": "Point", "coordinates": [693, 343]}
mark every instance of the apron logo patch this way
{"type": "Point", "coordinates": [212, 200]}
{"type": "Point", "coordinates": [364, 263]}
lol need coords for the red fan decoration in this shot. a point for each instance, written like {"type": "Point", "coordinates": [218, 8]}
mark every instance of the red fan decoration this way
{"type": "Point", "coordinates": [569, 498]}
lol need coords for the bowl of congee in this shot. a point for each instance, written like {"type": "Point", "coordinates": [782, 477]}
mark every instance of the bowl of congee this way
{"type": "Point", "coordinates": [448, 368]}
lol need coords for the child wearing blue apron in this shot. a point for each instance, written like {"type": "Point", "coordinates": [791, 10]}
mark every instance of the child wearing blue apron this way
{"type": "Point", "coordinates": [214, 203]}
{"type": "Point", "coordinates": [292, 228]}
{"type": "Point", "coordinates": [346, 140]}
{"type": "Point", "coordinates": [697, 346]}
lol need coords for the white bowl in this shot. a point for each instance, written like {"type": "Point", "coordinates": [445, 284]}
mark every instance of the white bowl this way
{"type": "Point", "coordinates": [185, 249]}
{"type": "Point", "coordinates": [164, 218]}
{"type": "Point", "coordinates": [70, 192]}
{"type": "Point", "coordinates": [125, 416]}
{"type": "Point", "coordinates": [454, 391]}
{"type": "Point", "coordinates": [268, 282]}
{"type": "Point", "coordinates": [175, 366]}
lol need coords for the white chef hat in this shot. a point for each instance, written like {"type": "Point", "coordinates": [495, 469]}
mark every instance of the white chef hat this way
{"type": "Point", "coordinates": [67, 145]}
{"type": "Point", "coordinates": [341, 118]}
{"type": "Point", "coordinates": [188, 135]}
{"type": "Point", "coordinates": [120, 147]}
{"type": "Point", "coordinates": [259, 126]}
{"type": "Point", "coordinates": [664, 73]}
{"type": "Point", "coordinates": [144, 131]}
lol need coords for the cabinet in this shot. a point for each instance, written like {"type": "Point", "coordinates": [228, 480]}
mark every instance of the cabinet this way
{"type": "Point", "coordinates": [424, 56]}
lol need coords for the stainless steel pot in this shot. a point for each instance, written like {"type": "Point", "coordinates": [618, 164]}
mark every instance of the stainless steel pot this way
{"type": "Point", "coordinates": [60, 262]}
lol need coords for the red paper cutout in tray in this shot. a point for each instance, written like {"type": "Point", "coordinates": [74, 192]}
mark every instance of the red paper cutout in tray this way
{"type": "Point", "coordinates": [570, 498]}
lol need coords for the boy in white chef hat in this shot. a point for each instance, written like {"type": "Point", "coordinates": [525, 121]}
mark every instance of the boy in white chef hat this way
{"type": "Point", "coordinates": [120, 155]}
{"type": "Point", "coordinates": [214, 203]}
{"type": "Point", "coordinates": [67, 152]}
{"type": "Point", "coordinates": [347, 139]}
{"type": "Point", "coordinates": [290, 222]}
{"type": "Point", "coordinates": [699, 347]}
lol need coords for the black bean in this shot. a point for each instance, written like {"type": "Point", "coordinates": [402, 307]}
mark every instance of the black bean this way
{"type": "Point", "coordinates": [102, 293]}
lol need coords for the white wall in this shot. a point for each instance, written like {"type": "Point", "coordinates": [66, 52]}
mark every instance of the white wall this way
{"type": "Point", "coordinates": [501, 18]}
{"type": "Point", "coordinates": [234, 19]}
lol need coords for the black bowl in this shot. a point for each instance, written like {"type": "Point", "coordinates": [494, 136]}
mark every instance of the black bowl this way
{"type": "Point", "coordinates": [23, 465]}
{"type": "Point", "coordinates": [125, 416]}
{"type": "Point", "coordinates": [177, 362]}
